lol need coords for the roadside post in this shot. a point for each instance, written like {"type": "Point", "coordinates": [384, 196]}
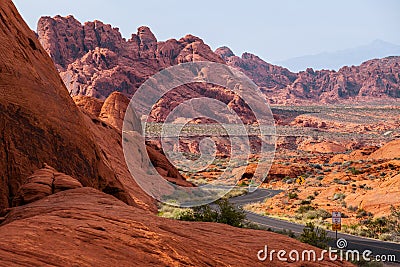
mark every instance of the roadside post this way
{"type": "Point", "coordinates": [336, 222]}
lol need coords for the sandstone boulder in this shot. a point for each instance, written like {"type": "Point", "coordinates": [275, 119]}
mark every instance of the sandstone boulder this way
{"type": "Point", "coordinates": [322, 147]}
{"type": "Point", "coordinates": [39, 122]}
{"type": "Point", "coordinates": [88, 228]}
{"type": "Point", "coordinates": [43, 183]}
{"type": "Point", "coordinates": [389, 151]}
{"type": "Point", "coordinates": [113, 110]}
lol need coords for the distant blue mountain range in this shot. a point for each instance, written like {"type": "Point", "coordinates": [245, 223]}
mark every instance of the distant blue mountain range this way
{"type": "Point", "coordinates": [338, 59]}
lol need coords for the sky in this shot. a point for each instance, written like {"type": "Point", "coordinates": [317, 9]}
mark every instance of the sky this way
{"type": "Point", "coordinates": [274, 30]}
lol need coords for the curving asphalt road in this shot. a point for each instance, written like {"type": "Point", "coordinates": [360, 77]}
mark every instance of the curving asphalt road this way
{"type": "Point", "coordinates": [354, 242]}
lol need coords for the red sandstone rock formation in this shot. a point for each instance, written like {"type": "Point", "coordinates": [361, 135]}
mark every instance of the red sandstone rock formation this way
{"type": "Point", "coordinates": [39, 123]}
{"type": "Point", "coordinates": [375, 79]}
{"type": "Point", "coordinates": [94, 59]}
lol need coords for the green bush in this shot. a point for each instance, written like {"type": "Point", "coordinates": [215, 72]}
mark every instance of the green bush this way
{"type": "Point", "coordinates": [362, 213]}
{"type": "Point", "coordinates": [364, 263]}
{"type": "Point", "coordinates": [323, 214]}
{"type": "Point", "coordinates": [352, 208]}
{"type": "Point", "coordinates": [288, 233]}
{"type": "Point", "coordinates": [304, 208]}
{"type": "Point", "coordinates": [228, 214]}
{"type": "Point", "coordinates": [339, 196]}
{"type": "Point", "coordinates": [354, 171]}
{"type": "Point", "coordinates": [225, 213]}
{"type": "Point", "coordinates": [316, 214]}
{"type": "Point", "coordinates": [314, 236]}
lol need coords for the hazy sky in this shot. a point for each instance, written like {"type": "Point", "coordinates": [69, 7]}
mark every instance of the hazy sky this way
{"type": "Point", "coordinates": [274, 30]}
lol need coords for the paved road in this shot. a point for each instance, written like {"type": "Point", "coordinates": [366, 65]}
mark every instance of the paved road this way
{"type": "Point", "coordinates": [354, 242]}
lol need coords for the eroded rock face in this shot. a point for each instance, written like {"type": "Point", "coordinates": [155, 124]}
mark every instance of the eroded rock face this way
{"type": "Point", "coordinates": [83, 226]}
{"type": "Point", "coordinates": [39, 122]}
{"type": "Point", "coordinates": [94, 60]}
{"type": "Point", "coordinates": [280, 172]}
{"type": "Point", "coordinates": [322, 147]}
{"type": "Point", "coordinates": [73, 40]}
{"type": "Point", "coordinates": [388, 151]}
{"type": "Point", "coordinates": [113, 110]}
{"type": "Point", "coordinates": [43, 183]}
{"type": "Point", "coordinates": [262, 73]}
{"type": "Point", "coordinates": [109, 138]}
{"type": "Point", "coordinates": [373, 79]}
{"type": "Point", "coordinates": [379, 200]}
{"type": "Point", "coordinates": [105, 231]}
{"type": "Point", "coordinates": [90, 104]}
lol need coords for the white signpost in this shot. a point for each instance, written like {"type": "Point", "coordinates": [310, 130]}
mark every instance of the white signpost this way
{"type": "Point", "coordinates": [336, 221]}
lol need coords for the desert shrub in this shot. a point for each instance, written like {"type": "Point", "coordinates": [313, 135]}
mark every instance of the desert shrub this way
{"type": "Point", "coordinates": [314, 236]}
{"type": "Point", "coordinates": [354, 171]}
{"type": "Point", "coordinates": [386, 237]}
{"type": "Point", "coordinates": [293, 195]}
{"type": "Point", "coordinates": [392, 167]}
{"type": "Point", "coordinates": [324, 214]}
{"type": "Point", "coordinates": [352, 208]}
{"type": "Point", "coordinates": [228, 214]}
{"type": "Point", "coordinates": [237, 191]}
{"type": "Point", "coordinates": [338, 181]}
{"type": "Point", "coordinates": [225, 213]}
{"type": "Point", "coordinates": [347, 163]}
{"type": "Point", "coordinates": [376, 227]}
{"type": "Point", "coordinates": [304, 208]}
{"type": "Point", "coordinates": [310, 215]}
{"type": "Point", "coordinates": [362, 213]}
{"type": "Point", "coordinates": [305, 202]}
{"type": "Point", "coordinates": [170, 212]}
{"type": "Point", "coordinates": [315, 214]}
{"type": "Point", "coordinates": [254, 226]}
{"type": "Point", "coordinates": [316, 166]}
{"type": "Point", "coordinates": [384, 228]}
{"type": "Point", "coordinates": [395, 218]}
{"type": "Point", "coordinates": [199, 214]}
{"type": "Point", "coordinates": [394, 223]}
{"type": "Point", "coordinates": [288, 233]}
{"type": "Point", "coordinates": [363, 263]}
{"type": "Point", "coordinates": [339, 196]}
